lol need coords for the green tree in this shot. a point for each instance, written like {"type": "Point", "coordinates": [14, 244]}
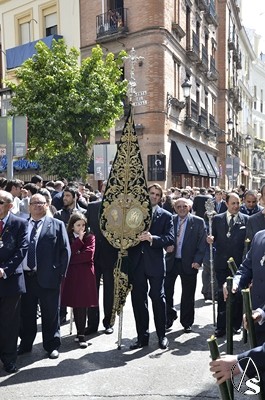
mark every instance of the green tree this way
{"type": "Point", "coordinates": [67, 105]}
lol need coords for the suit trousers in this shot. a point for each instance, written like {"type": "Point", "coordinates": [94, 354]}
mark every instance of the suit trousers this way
{"type": "Point", "coordinates": [49, 300]}
{"type": "Point", "coordinates": [139, 296]}
{"type": "Point", "coordinates": [237, 303]}
{"type": "Point", "coordinates": [188, 285]}
{"type": "Point", "coordinates": [108, 290]}
{"type": "Point", "coordinates": [9, 327]}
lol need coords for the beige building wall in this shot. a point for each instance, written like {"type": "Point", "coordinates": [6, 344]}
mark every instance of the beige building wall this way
{"type": "Point", "coordinates": [33, 13]}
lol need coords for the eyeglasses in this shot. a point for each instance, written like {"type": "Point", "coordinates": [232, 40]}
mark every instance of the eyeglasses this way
{"type": "Point", "coordinates": [37, 203]}
{"type": "Point", "coordinates": [182, 206]}
{"type": "Point", "coordinates": [3, 202]}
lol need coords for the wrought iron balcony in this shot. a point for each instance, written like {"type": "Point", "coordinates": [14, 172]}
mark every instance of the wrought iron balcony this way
{"type": "Point", "coordinates": [193, 49]}
{"type": "Point", "coordinates": [210, 13]}
{"type": "Point", "coordinates": [113, 22]}
{"type": "Point", "coordinates": [201, 4]}
{"type": "Point", "coordinates": [213, 74]}
{"type": "Point", "coordinates": [193, 116]}
{"type": "Point", "coordinates": [203, 63]}
{"type": "Point", "coordinates": [237, 58]}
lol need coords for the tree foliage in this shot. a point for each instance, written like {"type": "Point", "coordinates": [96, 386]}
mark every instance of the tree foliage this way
{"type": "Point", "coordinates": [67, 105]}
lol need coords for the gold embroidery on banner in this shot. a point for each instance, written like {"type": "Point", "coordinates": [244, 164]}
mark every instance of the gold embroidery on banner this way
{"type": "Point", "coordinates": [126, 209]}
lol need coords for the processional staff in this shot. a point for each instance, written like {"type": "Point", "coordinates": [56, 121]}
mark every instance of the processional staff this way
{"type": "Point", "coordinates": [126, 209]}
{"type": "Point", "coordinates": [210, 212]}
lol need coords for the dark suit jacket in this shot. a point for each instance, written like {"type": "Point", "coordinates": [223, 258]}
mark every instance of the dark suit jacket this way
{"type": "Point", "coordinates": [223, 207]}
{"type": "Point", "coordinates": [194, 244]}
{"type": "Point", "coordinates": [232, 246]}
{"type": "Point", "coordinates": [255, 224]}
{"type": "Point", "coordinates": [258, 356]}
{"type": "Point", "coordinates": [105, 253]}
{"type": "Point", "coordinates": [53, 253]}
{"type": "Point", "coordinates": [199, 204]}
{"type": "Point", "coordinates": [15, 240]}
{"type": "Point", "coordinates": [153, 256]}
{"type": "Point", "coordinates": [253, 268]}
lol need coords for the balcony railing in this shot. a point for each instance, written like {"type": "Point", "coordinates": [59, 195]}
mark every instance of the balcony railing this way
{"type": "Point", "coordinates": [203, 64]}
{"type": "Point", "coordinates": [213, 74]}
{"type": "Point", "coordinates": [202, 4]}
{"type": "Point", "coordinates": [193, 49]}
{"type": "Point", "coordinates": [112, 22]}
{"type": "Point", "coordinates": [192, 116]}
{"type": "Point", "coordinates": [210, 13]}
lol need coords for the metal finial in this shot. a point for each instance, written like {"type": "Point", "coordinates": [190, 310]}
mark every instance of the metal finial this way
{"type": "Point", "coordinates": [209, 206]}
{"type": "Point", "coordinates": [132, 82]}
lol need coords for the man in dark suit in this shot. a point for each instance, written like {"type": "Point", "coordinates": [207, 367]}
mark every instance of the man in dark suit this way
{"type": "Point", "coordinates": [46, 264]}
{"type": "Point", "coordinates": [219, 204]}
{"type": "Point", "coordinates": [104, 261]}
{"type": "Point", "coordinates": [148, 266]}
{"type": "Point", "coordinates": [252, 270]}
{"type": "Point", "coordinates": [250, 205]}
{"type": "Point", "coordinates": [13, 248]}
{"type": "Point", "coordinates": [184, 259]}
{"type": "Point", "coordinates": [255, 224]}
{"type": "Point", "coordinates": [199, 202]}
{"type": "Point", "coordinates": [229, 234]}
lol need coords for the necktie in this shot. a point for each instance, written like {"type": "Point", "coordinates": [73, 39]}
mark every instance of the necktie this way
{"type": "Point", "coordinates": [230, 226]}
{"type": "Point", "coordinates": [1, 227]}
{"type": "Point", "coordinates": [32, 246]}
{"type": "Point", "coordinates": [179, 231]}
{"type": "Point", "coordinates": [231, 222]}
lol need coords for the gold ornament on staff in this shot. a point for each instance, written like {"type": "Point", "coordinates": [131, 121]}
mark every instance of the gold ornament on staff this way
{"type": "Point", "coordinates": [210, 212]}
{"type": "Point", "coordinates": [125, 211]}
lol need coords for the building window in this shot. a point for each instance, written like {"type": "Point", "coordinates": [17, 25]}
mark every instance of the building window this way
{"type": "Point", "coordinates": [51, 24]}
{"type": "Point", "coordinates": [23, 27]}
{"type": "Point", "coordinates": [49, 18]}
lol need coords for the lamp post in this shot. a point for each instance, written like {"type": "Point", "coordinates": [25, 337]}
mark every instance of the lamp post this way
{"type": "Point", "coordinates": [186, 86]}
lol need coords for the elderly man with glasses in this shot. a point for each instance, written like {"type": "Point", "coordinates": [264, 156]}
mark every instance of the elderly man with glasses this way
{"type": "Point", "coordinates": [44, 267]}
{"type": "Point", "coordinates": [183, 259]}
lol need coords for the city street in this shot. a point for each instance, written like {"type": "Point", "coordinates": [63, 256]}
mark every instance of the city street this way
{"type": "Point", "coordinates": [103, 372]}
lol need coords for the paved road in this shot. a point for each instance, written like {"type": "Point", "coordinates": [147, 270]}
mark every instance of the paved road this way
{"type": "Point", "coordinates": [102, 372]}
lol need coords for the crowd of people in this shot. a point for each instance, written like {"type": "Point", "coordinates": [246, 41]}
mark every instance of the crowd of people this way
{"type": "Point", "coordinates": [53, 256]}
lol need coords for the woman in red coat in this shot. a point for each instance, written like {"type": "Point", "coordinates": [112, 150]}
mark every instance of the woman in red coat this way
{"type": "Point", "coordinates": [79, 289]}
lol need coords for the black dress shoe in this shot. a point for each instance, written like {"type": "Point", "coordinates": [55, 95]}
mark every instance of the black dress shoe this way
{"type": "Point", "coordinates": [187, 329]}
{"type": "Point", "coordinates": [10, 368]}
{"type": "Point", "coordinates": [219, 333]}
{"type": "Point", "coordinates": [22, 350]}
{"type": "Point", "coordinates": [163, 343]}
{"type": "Point", "coordinates": [138, 344]}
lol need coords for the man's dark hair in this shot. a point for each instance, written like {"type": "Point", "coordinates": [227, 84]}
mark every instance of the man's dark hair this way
{"type": "Point", "coordinates": [36, 179]}
{"type": "Point", "coordinates": [13, 182]}
{"type": "Point", "coordinates": [229, 194]}
{"type": "Point", "coordinates": [157, 187]}
{"type": "Point", "coordinates": [31, 187]}
{"type": "Point", "coordinates": [71, 189]}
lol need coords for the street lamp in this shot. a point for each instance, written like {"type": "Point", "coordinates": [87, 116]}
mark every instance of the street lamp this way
{"type": "Point", "coordinates": [248, 140]}
{"type": "Point", "coordinates": [186, 86]}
